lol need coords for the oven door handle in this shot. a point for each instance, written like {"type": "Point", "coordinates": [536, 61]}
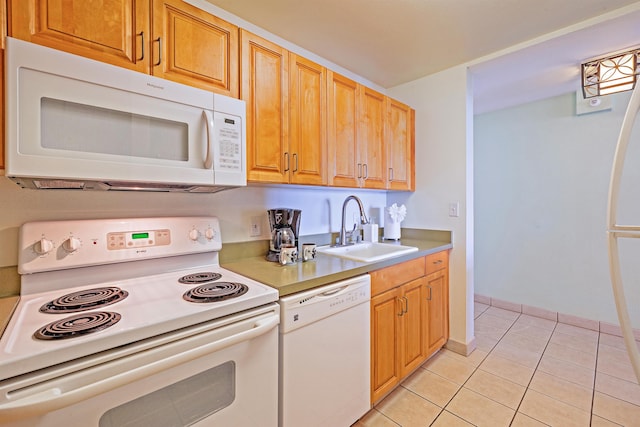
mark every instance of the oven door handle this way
{"type": "Point", "coordinates": [59, 392]}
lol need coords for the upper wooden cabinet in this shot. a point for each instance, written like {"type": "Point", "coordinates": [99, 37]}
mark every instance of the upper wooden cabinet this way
{"type": "Point", "coordinates": [356, 141]}
{"type": "Point", "coordinates": [286, 114]}
{"type": "Point", "coordinates": [371, 138]}
{"type": "Point", "coordinates": [308, 121]}
{"type": "Point", "coordinates": [115, 31]}
{"type": "Point", "coordinates": [400, 143]}
{"type": "Point", "coordinates": [193, 47]}
{"type": "Point", "coordinates": [167, 38]}
{"type": "Point", "coordinates": [342, 126]}
{"type": "Point", "coordinates": [265, 88]}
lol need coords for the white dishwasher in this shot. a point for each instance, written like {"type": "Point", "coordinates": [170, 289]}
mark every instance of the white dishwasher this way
{"type": "Point", "coordinates": [325, 355]}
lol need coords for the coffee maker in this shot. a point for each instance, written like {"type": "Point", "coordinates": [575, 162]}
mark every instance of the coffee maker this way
{"type": "Point", "coordinates": [285, 226]}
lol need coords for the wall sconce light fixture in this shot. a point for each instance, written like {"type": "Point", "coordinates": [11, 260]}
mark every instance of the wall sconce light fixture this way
{"type": "Point", "coordinates": [612, 74]}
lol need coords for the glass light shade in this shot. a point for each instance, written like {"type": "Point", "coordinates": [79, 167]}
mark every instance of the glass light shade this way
{"type": "Point", "coordinates": [610, 75]}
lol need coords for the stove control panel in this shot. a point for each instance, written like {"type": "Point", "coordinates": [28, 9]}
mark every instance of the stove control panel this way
{"type": "Point", "coordinates": [138, 239]}
{"type": "Point", "coordinates": [58, 245]}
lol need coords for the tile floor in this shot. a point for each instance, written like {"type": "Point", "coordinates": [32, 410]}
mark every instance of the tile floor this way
{"type": "Point", "coordinates": [526, 371]}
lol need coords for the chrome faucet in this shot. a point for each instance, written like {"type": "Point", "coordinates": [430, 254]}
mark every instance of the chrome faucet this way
{"type": "Point", "coordinates": [343, 230]}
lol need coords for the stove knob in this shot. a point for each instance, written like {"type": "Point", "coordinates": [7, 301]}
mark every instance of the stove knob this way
{"type": "Point", "coordinates": [72, 244]}
{"type": "Point", "coordinates": [194, 234]}
{"type": "Point", "coordinates": [209, 233]}
{"type": "Point", "coordinates": [44, 246]}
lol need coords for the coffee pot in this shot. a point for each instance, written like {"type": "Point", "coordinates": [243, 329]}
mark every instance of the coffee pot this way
{"type": "Point", "coordinates": [285, 226]}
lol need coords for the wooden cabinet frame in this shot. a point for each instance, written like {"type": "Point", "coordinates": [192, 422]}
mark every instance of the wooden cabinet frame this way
{"type": "Point", "coordinates": [409, 319]}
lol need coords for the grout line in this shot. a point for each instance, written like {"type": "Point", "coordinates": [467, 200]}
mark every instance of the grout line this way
{"type": "Point", "coordinates": [595, 375]}
{"type": "Point", "coordinates": [534, 374]}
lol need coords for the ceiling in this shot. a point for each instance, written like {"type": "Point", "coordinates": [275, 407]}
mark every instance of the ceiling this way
{"type": "Point", "coordinates": [390, 42]}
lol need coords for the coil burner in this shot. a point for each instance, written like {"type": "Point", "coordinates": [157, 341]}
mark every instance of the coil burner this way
{"type": "Point", "coordinates": [85, 300]}
{"type": "Point", "coordinates": [214, 292]}
{"type": "Point", "coordinates": [78, 325]}
{"type": "Point", "coordinates": [198, 278]}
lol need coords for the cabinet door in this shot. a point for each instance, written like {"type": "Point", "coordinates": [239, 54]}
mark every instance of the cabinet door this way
{"type": "Point", "coordinates": [308, 121]}
{"type": "Point", "coordinates": [371, 138]}
{"type": "Point", "coordinates": [112, 31]}
{"type": "Point", "coordinates": [412, 325]}
{"type": "Point", "coordinates": [193, 47]}
{"type": "Point", "coordinates": [385, 339]}
{"type": "Point", "coordinates": [437, 297]}
{"type": "Point", "coordinates": [400, 142]}
{"type": "Point", "coordinates": [264, 87]}
{"type": "Point", "coordinates": [342, 142]}
{"type": "Point", "coordinates": [3, 20]}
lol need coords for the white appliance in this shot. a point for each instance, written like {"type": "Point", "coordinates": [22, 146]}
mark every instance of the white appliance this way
{"type": "Point", "coordinates": [325, 355]}
{"type": "Point", "coordinates": [76, 123]}
{"type": "Point", "coordinates": [617, 231]}
{"type": "Point", "coordinates": [133, 322]}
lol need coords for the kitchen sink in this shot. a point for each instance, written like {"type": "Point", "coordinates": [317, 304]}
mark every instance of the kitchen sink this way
{"type": "Point", "coordinates": [367, 251]}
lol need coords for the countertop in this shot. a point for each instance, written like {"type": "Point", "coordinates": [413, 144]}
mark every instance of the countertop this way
{"type": "Point", "coordinates": [325, 269]}
{"type": "Point", "coordinates": [302, 276]}
{"type": "Point", "coordinates": [7, 306]}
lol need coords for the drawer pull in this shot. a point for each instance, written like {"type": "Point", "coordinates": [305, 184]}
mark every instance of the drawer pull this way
{"type": "Point", "coordinates": [438, 262]}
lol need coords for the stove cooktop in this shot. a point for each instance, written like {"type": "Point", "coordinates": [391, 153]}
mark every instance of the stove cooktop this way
{"type": "Point", "coordinates": [154, 305]}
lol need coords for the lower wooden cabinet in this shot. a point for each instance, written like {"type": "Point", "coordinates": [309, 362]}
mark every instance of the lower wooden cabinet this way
{"type": "Point", "coordinates": [409, 319]}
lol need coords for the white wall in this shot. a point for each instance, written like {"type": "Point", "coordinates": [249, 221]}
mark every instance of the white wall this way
{"type": "Point", "coordinates": [443, 175]}
{"type": "Point", "coordinates": [321, 208]}
{"type": "Point", "coordinates": [541, 185]}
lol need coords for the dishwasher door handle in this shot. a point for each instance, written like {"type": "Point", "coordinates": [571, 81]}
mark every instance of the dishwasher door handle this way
{"type": "Point", "coordinates": [333, 292]}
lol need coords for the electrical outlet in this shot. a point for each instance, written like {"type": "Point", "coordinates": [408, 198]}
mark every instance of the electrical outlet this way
{"type": "Point", "coordinates": [256, 228]}
{"type": "Point", "coordinates": [454, 209]}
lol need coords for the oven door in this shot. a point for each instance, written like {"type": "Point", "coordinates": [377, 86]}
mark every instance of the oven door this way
{"type": "Point", "coordinates": [224, 373]}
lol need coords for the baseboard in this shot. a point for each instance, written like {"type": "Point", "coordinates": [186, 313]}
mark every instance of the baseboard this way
{"type": "Point", "coordinates": [461, 348]}
{"type": "Point", "coordinates": [569, 319]}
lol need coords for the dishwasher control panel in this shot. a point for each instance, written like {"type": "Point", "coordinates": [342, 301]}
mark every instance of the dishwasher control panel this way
{"type": "Point", "coordinates": [307, 307]}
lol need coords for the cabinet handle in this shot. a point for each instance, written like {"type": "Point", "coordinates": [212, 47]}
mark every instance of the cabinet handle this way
{"type": "Point", "coordinates": [406, 304]}
{"type": "Point", "coordinates": [390, 174]}
{"type": "Point", "coordinates": [295, 162]}
{"type": "Point", "coordinates": [366, 170]}
{"type": "Point", "coordinates": [429, 297]}
{"type": "Point", "coordinates": [359, 170]}
{"type": "Point", "coordinates": [438, 262]}
{"type": "Point", "coordinates": [286, 158]}
{"type": "Point", "coordinates": [159, 40]}
{"type": "Point", "coordinates": [401, 308]}
{"type": "Point", "coordinates": [141, 46]}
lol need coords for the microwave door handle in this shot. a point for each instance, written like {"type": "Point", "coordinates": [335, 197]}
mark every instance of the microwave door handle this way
{"type": "Point", "coordinates": [208, 161]}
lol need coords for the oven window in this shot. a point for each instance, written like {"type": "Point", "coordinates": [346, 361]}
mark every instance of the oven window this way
{"type": "Point", "coordinates": [181, 404]}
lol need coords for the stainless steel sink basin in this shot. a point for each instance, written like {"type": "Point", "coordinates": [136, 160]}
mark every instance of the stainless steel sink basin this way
{"type": "Point", "coordinates": [367, 252]}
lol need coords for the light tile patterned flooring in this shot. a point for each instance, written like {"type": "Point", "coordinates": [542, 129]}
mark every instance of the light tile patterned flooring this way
{"type": "Point", "coordinates": [526, 371]}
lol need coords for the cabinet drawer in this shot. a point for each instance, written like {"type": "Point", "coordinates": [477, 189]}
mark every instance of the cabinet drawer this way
{"type": "Point", "coordinates": [391, 277]}
{"type": "Point", "coordinates": [437, 261]}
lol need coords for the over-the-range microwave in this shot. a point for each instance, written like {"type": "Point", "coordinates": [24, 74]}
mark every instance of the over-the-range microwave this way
{"type": "Point", "coordinates": [76, 123]}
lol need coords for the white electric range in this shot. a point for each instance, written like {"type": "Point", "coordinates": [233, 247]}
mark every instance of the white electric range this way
{"type": "Point", "coordinates": [115, 314]}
